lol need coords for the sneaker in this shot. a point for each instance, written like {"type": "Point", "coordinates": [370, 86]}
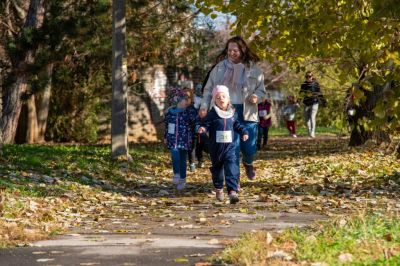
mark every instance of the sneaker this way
{"type": "Point", "coordinates": [181, 185]}
{"type": "Point", "coordinates": [219, 194]}
{"type": "Point", "coordinates": [175, 179]}
{"type": "Point", "coordinates": [192, 167]}
{"type": "Point", "coordinates": [294, 136]}
{"type": "Point", "coordinates": [201, 164]}
{"type": "Point", "coordinates": [233, 197]}
{"type": "Point", "coordinates": [251, 174]}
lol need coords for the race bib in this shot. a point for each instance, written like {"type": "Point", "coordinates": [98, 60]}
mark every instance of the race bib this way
{"type": "Point", "coordinates": [262, 113]}
{"type": "Point", "coordinates": [224, 136]}
{"type": "Point", "coordinates": [171, 128]}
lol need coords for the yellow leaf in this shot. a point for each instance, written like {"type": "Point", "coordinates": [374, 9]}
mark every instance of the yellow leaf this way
{"type": "Point", "coordinates": [181, 260]}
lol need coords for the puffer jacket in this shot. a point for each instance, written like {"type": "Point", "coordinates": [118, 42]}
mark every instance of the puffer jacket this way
{"type": "Point", "coordinates": [213, 123]}
{"type": "Point", "coordinates": [179, 128]}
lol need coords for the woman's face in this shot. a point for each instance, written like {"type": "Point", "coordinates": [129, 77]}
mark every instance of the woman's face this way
{"type": "Point", "coordinates": [222, 100]}
{"type": "Point", "coordinates": [234, 53]}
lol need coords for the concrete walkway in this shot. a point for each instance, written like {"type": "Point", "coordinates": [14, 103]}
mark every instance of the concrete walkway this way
{"type": "Point", "coordinates": [154, 242]}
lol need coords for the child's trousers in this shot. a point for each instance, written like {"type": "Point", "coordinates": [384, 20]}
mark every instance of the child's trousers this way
{"type": "Point", "coordinates": [291, 126]}
{"type": "Point", "coordinates": [179, 158]}
{"type": "Point", "coordinates": [225, 165]}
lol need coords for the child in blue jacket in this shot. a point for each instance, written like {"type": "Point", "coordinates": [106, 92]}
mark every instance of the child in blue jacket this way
{"type": "Point", "coordinates": [178, 135]}
{"type": "Point", "coordinates": [221, 122]}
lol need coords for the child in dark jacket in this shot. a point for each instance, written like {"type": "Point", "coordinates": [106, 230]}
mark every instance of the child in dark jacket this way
{"type": "Point", "coordinates": [221, 122]}
{"type": "Point", "coordinates": [264, 112]}
{"type": "Point", "coordinates": [178, 135]}
{"type": "Point", "coordinates": [201, 141]}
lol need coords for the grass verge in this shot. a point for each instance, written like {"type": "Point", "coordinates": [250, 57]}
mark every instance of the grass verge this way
{"type": "Point", "coordinates": [359, 240]}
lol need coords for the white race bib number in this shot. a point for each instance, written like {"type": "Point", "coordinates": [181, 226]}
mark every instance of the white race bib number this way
{"type": "Point", "coordinates": [171, 128]}
{"type": "Point", "coordinates": [224, 136]}
{"type": "Point", "coordinates": [262, 113]}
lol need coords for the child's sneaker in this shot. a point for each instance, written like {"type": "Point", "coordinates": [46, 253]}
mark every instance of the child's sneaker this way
{"type": "Point", "coordinates": [181, 185]}
{"type": "Point", "coordinates": [294, 136]}
{"type": "Point", "coordinates": [201, 164]}
{"type": "Point", "coordinates": [192, 167]}
{"type": "Point", "coordinates": [175, 179]}
{"type": "Point", "coordinates": [233, 197]}
{"type": "Point", "coordinates": [219, 194]}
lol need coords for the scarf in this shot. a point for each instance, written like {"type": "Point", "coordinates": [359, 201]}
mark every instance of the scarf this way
{"type": "Point", "coordinates": [224, 114]}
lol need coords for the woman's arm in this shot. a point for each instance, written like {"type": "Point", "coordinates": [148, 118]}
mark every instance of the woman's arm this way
{"type": "Point", "coordinates": [259, 90]}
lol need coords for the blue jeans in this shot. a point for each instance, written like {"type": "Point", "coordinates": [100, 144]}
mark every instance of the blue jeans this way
{"type": "Point", "coordinates": [179, 158]}
{"type": "Point", "coordinates": [249, 147]}
{"type": "Point", "coordinates": [310, 116]}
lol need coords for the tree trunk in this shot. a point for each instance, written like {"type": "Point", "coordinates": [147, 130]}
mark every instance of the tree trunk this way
{"type": "Point", "coordinates": [1, 121]}
{"type": "Point", "coordinates": [119, 117]}
{"type": "Point", "coordinates": [13, 103]}
{"type": "Point", "coordinates": [359, 135]}
{"type": "Point", "coordinates": [32, 125]}
{"type": "Point", "coordinates": [43, 105]}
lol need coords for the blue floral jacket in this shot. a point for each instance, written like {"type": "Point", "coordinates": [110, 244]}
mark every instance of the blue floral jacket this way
{"type": "Point", "coordinates": [179, 128]}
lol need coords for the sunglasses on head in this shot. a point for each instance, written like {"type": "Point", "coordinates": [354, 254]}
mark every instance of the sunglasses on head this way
{"type": "Point", "coordinates": [309, 76]}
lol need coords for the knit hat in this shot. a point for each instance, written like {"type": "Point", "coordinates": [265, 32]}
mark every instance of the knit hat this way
{"type": "Point", "coordinates": [220, 88]}
{"type": "Point", "coordinates": [175, 95]}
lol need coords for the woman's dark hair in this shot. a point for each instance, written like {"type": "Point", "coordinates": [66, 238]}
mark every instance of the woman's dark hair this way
{"type": "Point", "coordinates": [247, 54]}
{"type": "Point", "coordinates": [308, 74]}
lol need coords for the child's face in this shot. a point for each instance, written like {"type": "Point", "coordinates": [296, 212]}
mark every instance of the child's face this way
{"type": "Point", "coordinates": [222, 100]}
{"type": "Point", "coordinates": [202, 112]}
{"type": "Point", "coordinates": [183, 103]}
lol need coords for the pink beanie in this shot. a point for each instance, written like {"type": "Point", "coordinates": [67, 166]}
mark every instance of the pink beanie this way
{"type": "Point", "coordinates": [220, 88]}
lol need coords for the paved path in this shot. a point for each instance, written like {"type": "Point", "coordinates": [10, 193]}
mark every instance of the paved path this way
{"type": "Point", "coordinates": [153, 242]}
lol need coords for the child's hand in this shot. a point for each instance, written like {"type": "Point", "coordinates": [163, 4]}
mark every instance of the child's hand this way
{"type": "Point", "coordinates": [201, 130]}
{"type": "Point", "coordinates": [245, 137]}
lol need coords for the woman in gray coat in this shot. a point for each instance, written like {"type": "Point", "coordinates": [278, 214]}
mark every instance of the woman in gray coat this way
{"type": "Point", "coordinates": [237, 70]}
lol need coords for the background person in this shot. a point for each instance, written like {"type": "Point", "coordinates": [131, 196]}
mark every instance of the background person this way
{"type": "Point", "coordinates": [312, 95]}
{"type": "Point", "coordinates": [289, 113]}
{"type": "Point", "coordinates": [264, 112]}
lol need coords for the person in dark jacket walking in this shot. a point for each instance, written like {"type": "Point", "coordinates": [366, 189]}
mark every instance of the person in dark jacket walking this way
{"type": "Point", "coordinates": [221, 122]}
{"type": "Point", "coordinates": [178, 135]}
{"type": "Point", "coordinates": [312, 95]}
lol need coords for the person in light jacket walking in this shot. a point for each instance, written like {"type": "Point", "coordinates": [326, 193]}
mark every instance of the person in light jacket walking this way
{"type": "Point", "coordinates": [237, 71]}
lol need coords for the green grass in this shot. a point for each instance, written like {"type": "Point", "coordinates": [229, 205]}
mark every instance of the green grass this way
{"type": "Point", "coordinates": [302, 131]}
{"type": "Point", "coordinates": [24, 164]}
{"type": "Point", "coordinates": [366, 237]}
